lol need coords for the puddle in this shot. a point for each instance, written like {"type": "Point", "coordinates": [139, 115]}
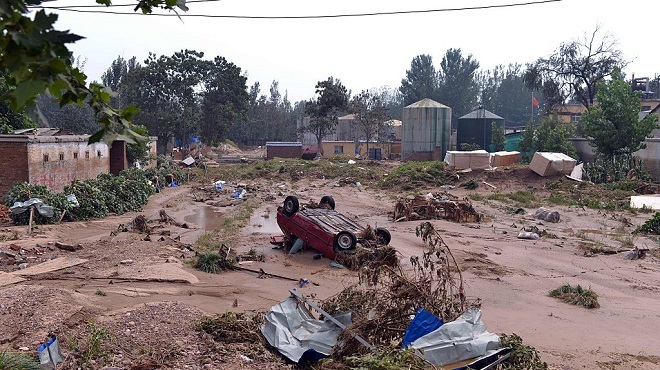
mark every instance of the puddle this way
{"type": "Point", "coordinates": [263, 221]}
{"type": "Point", "coordinates": [206, 218]}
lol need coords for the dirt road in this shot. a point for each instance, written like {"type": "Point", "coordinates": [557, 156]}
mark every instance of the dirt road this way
{"type": "Point", "coordinates": [148, 295]}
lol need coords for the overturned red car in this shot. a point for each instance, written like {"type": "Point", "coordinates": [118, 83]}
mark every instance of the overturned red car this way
{"type": "Point", "coordinates": [323, 229]}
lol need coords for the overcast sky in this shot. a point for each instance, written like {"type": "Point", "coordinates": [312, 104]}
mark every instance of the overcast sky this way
{"type": "Point", "coordinates": [363, 52]}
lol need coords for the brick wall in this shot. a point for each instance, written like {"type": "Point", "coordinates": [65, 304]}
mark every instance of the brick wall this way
{"type": "Point", "coordinates": [56, 164]}
{"type": "Point", "coordinates": [419, 157]}
{"type": "Point", "coordinates": [283, 152]}
{"type": "Point", "coordinates": [13, 165]}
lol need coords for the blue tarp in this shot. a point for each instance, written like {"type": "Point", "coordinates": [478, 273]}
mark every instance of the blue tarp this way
{"type": "Point", "coordinates": [423, 323]}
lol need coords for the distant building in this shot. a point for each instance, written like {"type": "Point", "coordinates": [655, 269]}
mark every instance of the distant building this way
{"type": "Point", "coordinates": [476, 128]}
{"type": "Point", "coordinates": [52, 161]}
{"type": "Point", "coordinates": [426, 131]}
{"type": "Point", "coordinates": [279, 149]}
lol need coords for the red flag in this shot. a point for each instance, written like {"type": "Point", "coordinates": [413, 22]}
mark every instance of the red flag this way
{"type": "Point", "coordinates": [535, 102]}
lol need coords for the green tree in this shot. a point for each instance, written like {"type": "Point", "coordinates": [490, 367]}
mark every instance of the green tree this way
{"type": "Point", "coordinates": [504, 92]}
{"type": "Point", "coordinates": [11, 119]}
{"type": "Point", "coordinates": [114, 76]}
{"type": "Point", "coordinates": [268, 118]}
{"type": "Point", "coordinates": [574, 70]}
{"type": "Point", "coordinates": [152, 89]}
{"type": "Point", "coordinates": [331, 99]}
{"type": "Point", "coordinates": [421, 80]}
{"type": "Point", "coordinates": [370, 115]}
{"type": "Point", "coordinates": [498, 136]}
{"type": "Point", "coordinates": [549, 135]}
{"type": "Point", "coordinates": [458, 87]}
{"type": "Point", "coordinates": [224, 98]}
{"type": "Point", "coordinates": [37, 58]}
{"type": "Point", "coordinates": [71, 118]}
{"type": "Point", "coordinates": [613, 125]}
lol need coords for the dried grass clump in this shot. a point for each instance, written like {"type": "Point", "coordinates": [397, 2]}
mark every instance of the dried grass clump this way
{"type": "Point", "coordinates": [387, 296]}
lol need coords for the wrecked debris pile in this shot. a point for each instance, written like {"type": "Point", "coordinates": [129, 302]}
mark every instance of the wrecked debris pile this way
{"type": "Point", "coordinates": [435, 206]}
{"type": "Point", "coordinates": [386, 298]}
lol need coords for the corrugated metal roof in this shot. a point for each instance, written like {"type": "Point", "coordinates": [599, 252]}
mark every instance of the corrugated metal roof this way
{"type": "Point", "coordinates": [39, 131]}
{"type": "Point", "coordinates": [427, 103]}
{"type": "Point", "coordinates": [481, 114]}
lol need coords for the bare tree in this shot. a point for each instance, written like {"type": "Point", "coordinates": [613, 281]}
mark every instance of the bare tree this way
{"type": "Point", "coordinates": [574, 70]}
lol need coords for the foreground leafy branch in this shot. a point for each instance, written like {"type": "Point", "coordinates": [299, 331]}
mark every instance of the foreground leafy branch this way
{"type": "Point", "coordinates": [37, 58]}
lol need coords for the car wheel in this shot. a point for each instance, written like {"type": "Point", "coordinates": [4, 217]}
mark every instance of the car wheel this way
{"type": "Point", "coordinates": [329, 200]}
{"type": "Point", "coordinates": [383, 236]}
{"type": "Point", "coordinates": [291, 205]}
{"type": "Point", "coordinates": [345, 240]}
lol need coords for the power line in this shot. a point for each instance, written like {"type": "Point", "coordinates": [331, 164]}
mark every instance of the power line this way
{"type": "Point", "coordinates": [306, 16]}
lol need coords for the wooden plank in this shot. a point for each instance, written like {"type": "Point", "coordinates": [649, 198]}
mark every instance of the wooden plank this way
{"type": "Point", "coordinates": [50, 266]}
{"type": "Point", "coordinates": [8, 279]}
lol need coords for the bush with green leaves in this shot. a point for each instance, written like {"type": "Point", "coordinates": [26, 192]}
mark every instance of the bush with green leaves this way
{"type": "Point", "coordinates": [97, 197]}
{"type": "Point", "coordinates": [651, 226]}
{"type": "Point", "coordinates": [24, 191]}
{"type": "Point", "coordinates": [617, 168]}
{"type": "Point", "coordinates": [549, 135]}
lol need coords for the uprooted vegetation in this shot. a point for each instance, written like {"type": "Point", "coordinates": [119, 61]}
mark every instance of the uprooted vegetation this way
{"type": "Point", "coordinates": [434, 207]}
{"type": "Point", "coordinates": [522, 356]}
{"type": "Point", "coordinates": [11, 360]}
{"type": "Point", "coordinates": [612, 196]}
{"type": "Point", "coordinates": [576, 295]}
{"type": "Point", "coordinates": [386, 298]}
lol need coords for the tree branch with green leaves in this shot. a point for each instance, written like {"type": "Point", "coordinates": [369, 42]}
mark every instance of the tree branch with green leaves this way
{"type": "Point", "coordinates": [37, 59]}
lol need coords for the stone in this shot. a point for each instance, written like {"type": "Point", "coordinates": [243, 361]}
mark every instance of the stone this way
{"type": "Point", "coordinates": [22, 266]}
{"type": "Point", "coordinates": [15, 247]}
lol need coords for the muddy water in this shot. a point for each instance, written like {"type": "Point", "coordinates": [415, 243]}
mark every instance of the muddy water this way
{"type": "Point", "coordinates": [263, 221]}
{"type": "Point", "coordinates": [206, 218]}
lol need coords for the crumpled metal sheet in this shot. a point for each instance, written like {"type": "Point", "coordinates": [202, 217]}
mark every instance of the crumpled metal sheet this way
{"type": "Point", "coordinates": [43, 209]}
{"type": "Point", "coordinates": [292, 329]}
{"type": "Point", "coordinates": [462, 339]}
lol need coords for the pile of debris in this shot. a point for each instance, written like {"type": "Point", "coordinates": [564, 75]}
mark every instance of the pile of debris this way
{"type": "Point", "coordinates": [435, 206]}
{"type": "Point", "coordinates": [387, 296]}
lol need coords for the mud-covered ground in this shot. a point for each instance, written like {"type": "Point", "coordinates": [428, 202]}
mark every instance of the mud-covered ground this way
{"type": "Point", "coordinates": [141, 298]}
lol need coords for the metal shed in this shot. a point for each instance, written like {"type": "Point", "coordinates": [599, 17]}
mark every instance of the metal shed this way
{"type": "Point", "coordinates": [475, 128]}
{"type": "Point", "coordinates": [426, 131]}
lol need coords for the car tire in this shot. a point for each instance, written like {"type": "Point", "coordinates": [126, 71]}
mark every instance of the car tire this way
{"type": "Point", "coordinates": [291, 205]}
{"type": "Point", "coordinates": [329, 200]}
{"type": "Point", "coordinates": [383, 236]}
{"type": "Point", "coordinates": [345, 241]}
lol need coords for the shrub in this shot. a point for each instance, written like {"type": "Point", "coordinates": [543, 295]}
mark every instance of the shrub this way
{"type": "Point", "coordinates": [651, 226]}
